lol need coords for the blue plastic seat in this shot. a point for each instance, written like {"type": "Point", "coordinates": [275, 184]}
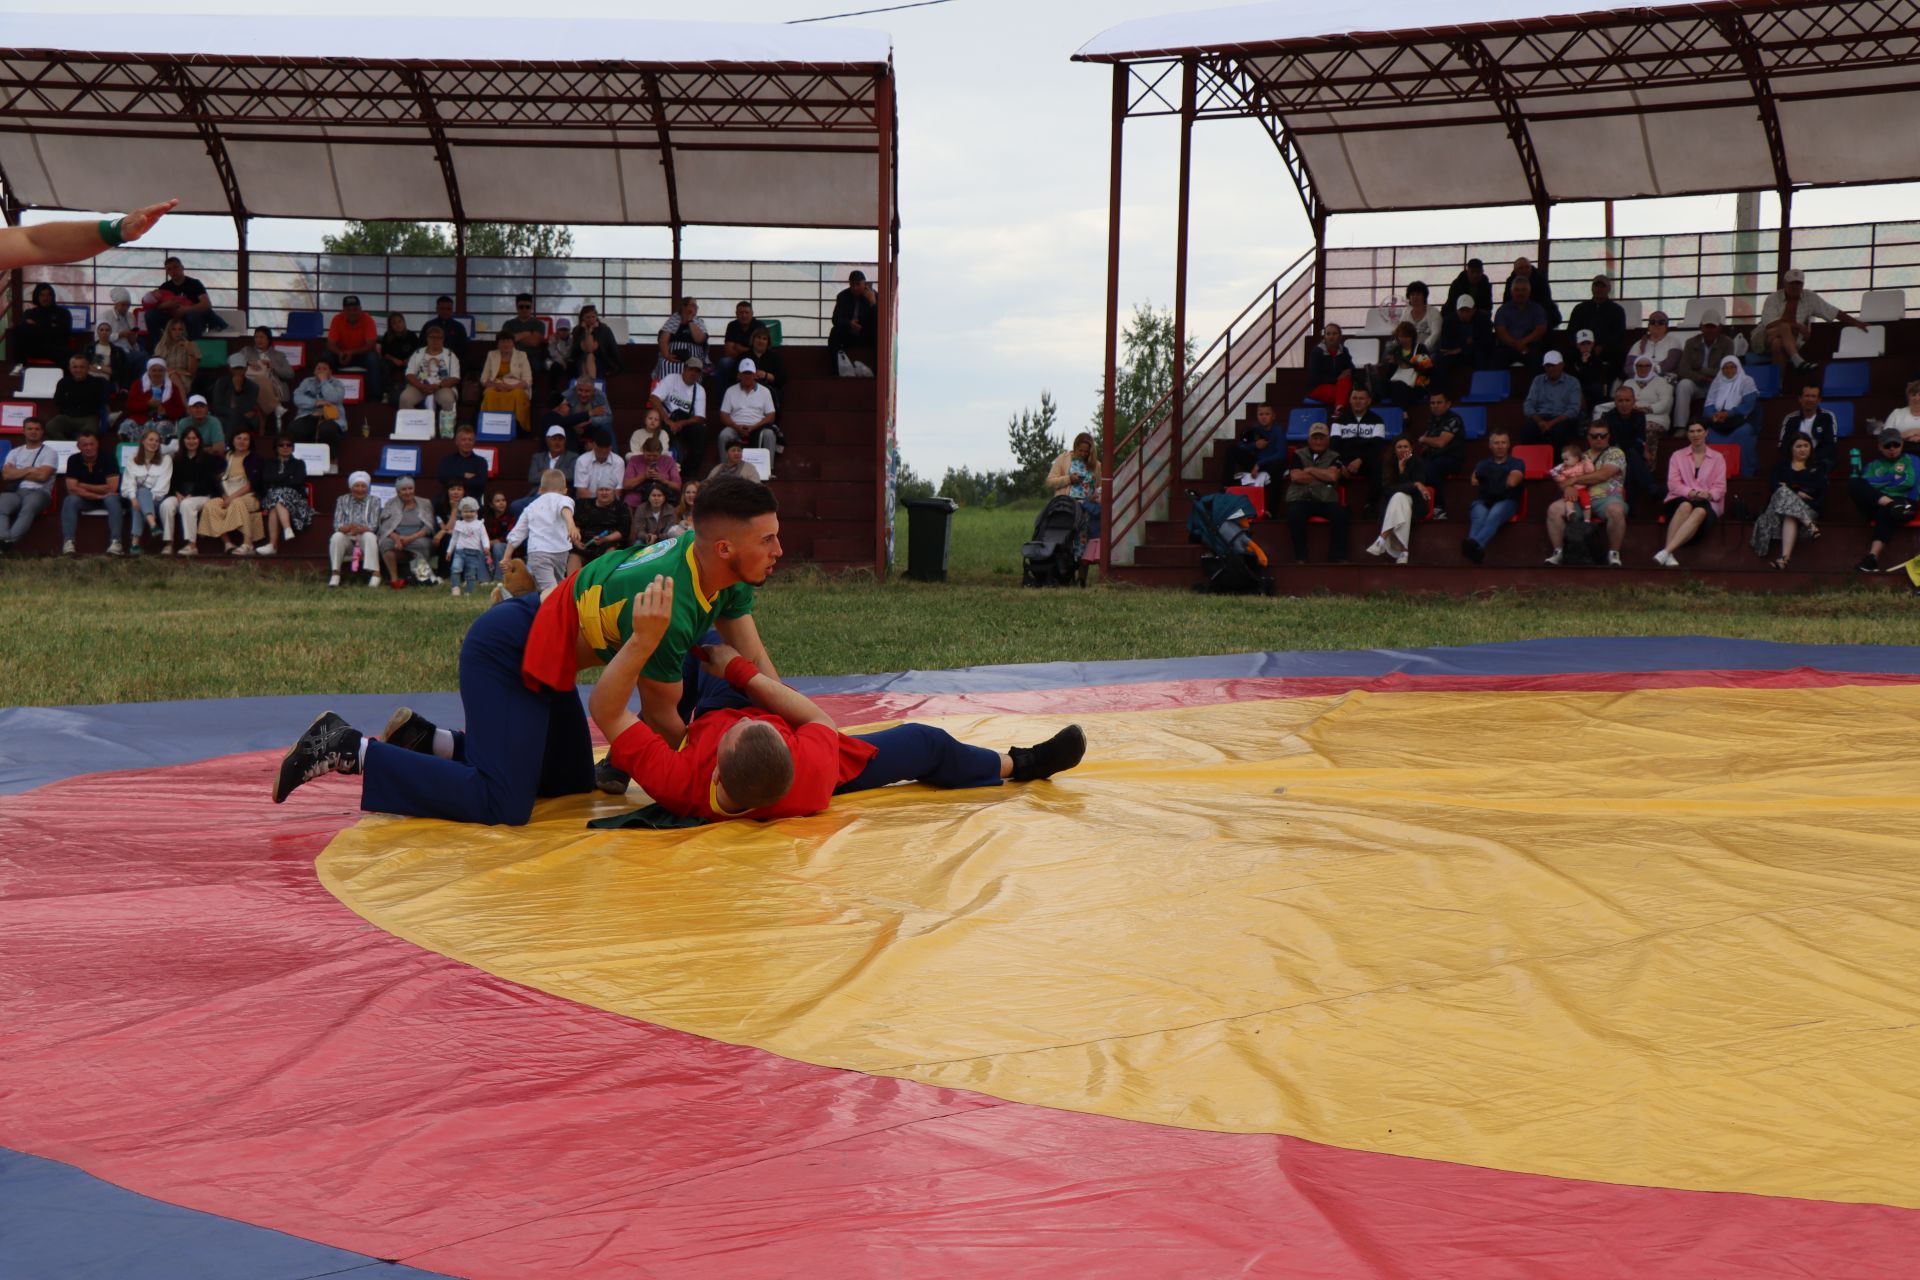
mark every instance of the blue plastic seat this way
{"type": "Point", "coordinates": [1489, 387]}
{"type": "Point", "coordinates": [1842, 411]}
{"type": "Point", "coordinates": [305, 324]}
{"type": "Point", "coordinates": [1845, 379]}
{"type": "Point", "coordinates": [1475, 418]}
{"type": "Point", "coordinates": [1395, 418]}
{"type": "Point", "coordinates": [1301, 421]}
{"type": "Point", "coordinates": [1766, 377]}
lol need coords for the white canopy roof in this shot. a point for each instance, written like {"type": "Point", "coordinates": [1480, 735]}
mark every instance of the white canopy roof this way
{"type": "Point", "coordinates": [1537, 102]}
{"type": "Point", "coordinates": [551, 121]}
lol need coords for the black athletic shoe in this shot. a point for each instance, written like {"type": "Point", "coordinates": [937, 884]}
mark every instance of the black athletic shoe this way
{"type": "Point", "coordinates": [1472, 550]}
{"type": "Point", "coordinates": [1044, 759]}
{"type": "Point", "coordinates": [609, 779]}
{"type": "Point", "coordinates": [409, 731]}
{"type": "Point", "coordinates": [330, 745]}
{"type": "Point", "coordinates": [1868, 564]}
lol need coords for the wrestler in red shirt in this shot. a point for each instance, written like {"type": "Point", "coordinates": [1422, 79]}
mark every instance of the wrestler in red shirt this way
{"type": "Point", "coordinates": [782, 757]}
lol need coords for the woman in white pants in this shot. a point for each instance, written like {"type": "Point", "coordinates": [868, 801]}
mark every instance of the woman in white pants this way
{"type": "Point", "coordinates": [196, 478]}
{"type": "Point", "coordinates": [355, 518]}
{"type": "Point", "coordinates": [1411, 501]}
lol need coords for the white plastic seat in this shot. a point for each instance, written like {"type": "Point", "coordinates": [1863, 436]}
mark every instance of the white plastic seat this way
{"type": "Point", "coordinates": [1882, 306]}
{"type": "Point", "coordinates": [1635, 309]}
{"type": "Point", "coordinates": [1377, 321]}
{"type": "Point", "coordinates": [39, 383]}
{"type": "Point", "coordinates": [1365, 351]}
{"type": "Point", "coordinates": [1699, 308]}
{"type": "Point", "coordinates": [1862, 344]}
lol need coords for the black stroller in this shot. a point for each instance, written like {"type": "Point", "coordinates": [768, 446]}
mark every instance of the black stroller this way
{"type": "Point", "coordinates": [1052, 558]}
{"type": "Point", "coordinates": [1232, 562]}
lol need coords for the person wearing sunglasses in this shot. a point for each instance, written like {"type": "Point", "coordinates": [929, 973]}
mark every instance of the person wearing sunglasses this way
{"type": "Point", "coordinates": [1887, 491]}
{"type": "Point", "coordinates": [528, 333]}
{"type": "Point", "coordinates": [1606, 486]}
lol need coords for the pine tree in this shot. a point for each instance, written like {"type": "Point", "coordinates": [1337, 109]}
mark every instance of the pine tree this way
{"type": "Point", "coordinates": [1034, 445]}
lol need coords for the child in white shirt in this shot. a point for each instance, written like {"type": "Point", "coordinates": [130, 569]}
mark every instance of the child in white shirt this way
{"type": "Point", "coordinates": [547, 530]}
{"type": "Point", "coordinates": [468, 548]}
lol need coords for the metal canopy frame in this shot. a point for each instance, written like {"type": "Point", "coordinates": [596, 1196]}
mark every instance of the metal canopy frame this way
{"type": "Point", "coordinates": [1710, 55]}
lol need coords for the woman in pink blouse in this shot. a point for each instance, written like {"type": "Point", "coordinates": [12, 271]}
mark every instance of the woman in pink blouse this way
{"type": "Point", "coordinates": [1696, 492]}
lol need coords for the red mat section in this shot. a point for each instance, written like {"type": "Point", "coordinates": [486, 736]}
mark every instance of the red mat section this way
{"type": "Point", "coordinates": [200, 1021]}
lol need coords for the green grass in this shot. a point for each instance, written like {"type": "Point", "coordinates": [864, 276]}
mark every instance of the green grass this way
{"type": "Point", "coordinates": [96, 630]}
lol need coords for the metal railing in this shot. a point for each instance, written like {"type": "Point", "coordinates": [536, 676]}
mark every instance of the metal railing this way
{"type": "Point", "coordinates": [1230, 371]}
{"type": "Point", "coordinates": [634, 293]}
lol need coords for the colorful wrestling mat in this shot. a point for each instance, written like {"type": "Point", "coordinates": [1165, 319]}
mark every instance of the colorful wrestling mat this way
{"type": "Point", "coordinates": [1573, 959]}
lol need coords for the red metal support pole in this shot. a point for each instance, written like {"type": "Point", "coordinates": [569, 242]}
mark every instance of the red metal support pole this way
{"type": "Point", "coordinates": [243, 286]}
{"type": "Point", "coordinates": [1110, 353]}
{"type": "Point", "coordinates": [1189, 83]}
{"type": "Point", "coordinates": [1786, 231]}
{"type": "Point", "coordinates": [460, 267]}
{"type": "Point", "coordinates": [1319, 274]}
{"type": "Point", "coordinates": [889, 301]}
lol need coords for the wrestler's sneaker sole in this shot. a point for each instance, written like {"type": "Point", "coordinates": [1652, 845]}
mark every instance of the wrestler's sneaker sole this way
{"type": "Point", "coordinates": [330, 745]}
{"type": "Point", "coordinates": [1057, 754]}
{"type": "Point", "coordinates": [410, 731]}
{"type": "Point", "coordinates": [609, 779]}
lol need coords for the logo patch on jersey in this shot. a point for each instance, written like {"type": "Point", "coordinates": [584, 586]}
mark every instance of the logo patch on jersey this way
{"type": "Point", "coordinates": [648, 555]}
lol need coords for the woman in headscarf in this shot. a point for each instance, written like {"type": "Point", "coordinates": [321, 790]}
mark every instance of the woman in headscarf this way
{"type": "Point", "coordinates": [1652, 395]}
{"type": "Point", "coordinates": [1659, 342]}
{"type": "Point", "coordinates": [356, 516]}
{"type": "Point", "coordinates": [154, 401]}
{"type": "Point", "coordinates": [1729, 408]}
{"type": "Point", "coordinates": [45, 329]}
{"type": "Point", "coordinates": [125, 331]}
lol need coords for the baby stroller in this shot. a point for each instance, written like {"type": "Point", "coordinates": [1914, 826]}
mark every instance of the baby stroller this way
{"type": "Point", "coordinates": [1232, 562]}
{"type": "Point", "coordinates": [1052, 558]}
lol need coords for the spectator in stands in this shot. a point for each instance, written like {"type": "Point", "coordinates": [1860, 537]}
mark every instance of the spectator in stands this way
{"type": "Point", "coordinates": [1538, 289]}
{"type": "Point", "coordinates": [1887, 492]}
{"type": "Point", "coordinates": [155, 401]}
{"type": "Point", "coordinates": [683, 334]}
{"type": "Point", "coordinates": [463, 466]}
{"type": "Point", "coordinates": [733, 464]}
{"type": "Point", "coordinates": [1627, 427]}
{"type": "Point", "coordinates": [397, 346]}
{"type": "Point", "coordinates": [1257, 445]}
{"type": "Point", "coordinates": [1798, 487]}
{"type": "Point", "coordinates": [653, 426]}
{"type": "Point", "coordinates": [267, 369]}
{"type": "Point", "coordinates": [650, 468]}
{"type": "Point", "coordinates": [498, 517]}
{"type": "Point", "coordinates": [320, 408]}
{"type": "Point", "coordinates": [560, 345]}
{"type": "Point", "coordinates": [769, 366]}
{"type": "Point", "coordinates": [548, 532]}
{"type": "Point", "coordinates": [44, 333]}
{"type": "Point", "coordinates": [1660, 343]}
{"type": "Point", "coordinates": [433, 372]}
{"type": "Point", "coordinates": [1700, 358]}
{"type": "Point", "coordinates": [1358, 433]}
{"type": "Point", "coordinates": [1906, 420]}
{"type": "Point", "coordinates": [583, 410]}
{"type": "Point", "coordinates": [26, 482]}
{"type": "Point", "coordinates": [1652, 396]}
{"type": "Point", "coordinates": [1498, 484]}
{"type": "Point", "coordinates": [1592, 368]}
{"type": "Point", "coordinates": [528, 334]}
{"type": "Point", "coordinates": [180, 351]}
{"type": "Point", "coordinates": [1475, 283]}
{"type": "Point", "coordinates": [283, 496]}
{"type": "Point", "coordinates": [1606, 488]}
{"type": "Point", "coordinates": [746, 410]}
{"type": "Point", "coordinates": [1443, 446]}
{"type": "Point", "coordinates": [356, 519]}
{"type": "Point", "coordinates": [1404, 371]}
{"type": "Point", "coordinates": [1696, 491]}
{"type": "Point", "coordinates": [453, 334]}
{"type": "Point", "coordinates": [682, 401]}
{"type": "Point", "coordinates": [1606, 320]}
{"type": "Point", "coordinates": [1786, 321]}
{"type": "Point", "coordinates": [1424, 319]}
{"type": "Point", "coordinates": [144, 485]}
{"type": "Point", "coordinates": [506, 381]}
{"type": "Point", "coordinates": [80, 401]}
{"type": "Point", "coordinates": [1520, 329]}
{"type": "Point", "coordinates": [93, 484]}
{"type": "Point", "coordinates": [236, 399]}
{"type": "Point", "coordinates": [446, 509]}
{"type": "Point", "coordinates": [1330, 368]}
{"type": "Point", "coordinates": [556, 456]}
{"type": "Point", "coordinates": [1466, 339]}
{"type": "Point", "coordinates": [1818, 426]}
{"type": "Point", "coordinates": [1313, 490]}
{"type": "Point", "coordinates": [179, 297]}
{"type": "Point", "coordinates": [599, 467]}
{"type": "Point", "coordinates": [1730, 409]}
{"type": "Point", "coordinates": [406, 527]}
{"type": "Point", "coordinates": [1409, 499]}
{"type": "Point", "coordinates": [593, 351]}
{"type": "Point", "coordinates": [234, 513]}
{"type": "Point", "coordinates": [353, 342]}
{"type": "Point", "coordinates": [683, 513]}
{"type": "Point", "coordinates": [469, 554]}
{"type": "Point", "coordinates": [126, 335]}
{"type": "Point", "coordinates": [856, 327]}
{"type": "Point", "coordinates": [651, 519]}
{"type": "Point", "coordinates": [108, 360]}
{"type": "Point", "coordinates": [213, 434]}
{"type": "Point", "coordinates": [735, 345]}
{"type": "Point", "coordinates": [602, 523]}
{"type": "Point", "coordinates": [1552, 406]}
{"type": "Point", "coordinates": [196, 478]}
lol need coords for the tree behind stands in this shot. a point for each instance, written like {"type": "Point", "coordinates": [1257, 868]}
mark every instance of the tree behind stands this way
{"type": "Point", "coordinates": [1145, 373]}
{"type": "Point", "coordinates": [1034, 445]}
{"type": "Point", "coordinates": [432, 240]}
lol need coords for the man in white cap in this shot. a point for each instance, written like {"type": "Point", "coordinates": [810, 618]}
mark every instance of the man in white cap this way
{"type": "Point", "coordinates": [1591, 366]}
{"type": "Point", "coordinates": [1553, 404]}
{"type": "Point", "coordinates": [1786, 321]}
{"type": "Point", "coordinates": [747, 411]}
{"type": "Point", "coordinates": [356, 517]}
{"type": "Point", "coordinates": [1700, 358]}
{"type": "Point", "coordinates": [1606, 319]}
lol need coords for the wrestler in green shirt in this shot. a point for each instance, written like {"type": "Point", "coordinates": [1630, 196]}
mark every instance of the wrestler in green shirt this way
{"type": "Point", "coordinates": [604, 589]}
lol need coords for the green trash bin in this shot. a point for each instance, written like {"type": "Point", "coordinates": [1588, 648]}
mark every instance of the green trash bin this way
{"type": "Point", "coordinates": [929, 536]}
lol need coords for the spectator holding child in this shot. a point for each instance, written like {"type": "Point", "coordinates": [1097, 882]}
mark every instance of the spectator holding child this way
{"type": "Point", "coordinates": [1595, 485]}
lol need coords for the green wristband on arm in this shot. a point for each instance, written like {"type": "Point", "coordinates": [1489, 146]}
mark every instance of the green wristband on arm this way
{"type": "Point", "coordinates": [113, 231]}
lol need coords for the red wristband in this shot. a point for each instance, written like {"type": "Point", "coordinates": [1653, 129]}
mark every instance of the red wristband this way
{"type": "Point", "coordinates": [740, 674]}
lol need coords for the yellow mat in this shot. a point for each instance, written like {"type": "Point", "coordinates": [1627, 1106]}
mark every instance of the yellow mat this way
{"type": "Point", "coordinates": [1669, 938]}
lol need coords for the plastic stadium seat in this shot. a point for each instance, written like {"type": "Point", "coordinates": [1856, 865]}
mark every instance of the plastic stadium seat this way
{"type": "Point", "coordinates": [1731, 452]}
{"type": "Point", "coordinates": [305, 324]}
{"type": "Point", "coordinates": [1395, 418]}
{"type": "Point", "coordinates": [1845, 379]}
{"type": "Point", "coordinates": [1699, 308]}
{"type": "Point", "coordinates": [1862, 344]}
{"type": "Point", "coordinates": [213, 352]}
{"type": "Point", "coordinates": [1883, 305]}
{"type": "Point", "coordinates": [1636, 311]}
{"type": "Point", "coordinates": [1365, 351]}
{"type": "Point", "coordinates": [1340, 500]}
{"type": "Point", "coordinates": [82, 316]}
{"type": "Point", "coordinates": [1489, 386]}
{"type": "Point", "coordinates": [1377, 321]}
{"type": "Point", "coordinates": [1475, 418]}
{"type": "Point", "coordinates": [1538, 459]}
{"type": "Point", "coordinates": [1842, 411]}
{"type": "Point", "coordinates": [1254, 493]}
{"type": "Point", "coordinates": [1766, 377]}
{"type": "Point", "coordinates": [1301, 421]}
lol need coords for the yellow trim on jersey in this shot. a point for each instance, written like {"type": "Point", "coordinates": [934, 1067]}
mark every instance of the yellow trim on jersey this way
{"type": "Point", "coordinates": [699, 592]}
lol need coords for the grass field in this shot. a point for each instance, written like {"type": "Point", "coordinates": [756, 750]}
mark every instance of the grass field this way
{"type": "Point", "coordinates": [96, 630]}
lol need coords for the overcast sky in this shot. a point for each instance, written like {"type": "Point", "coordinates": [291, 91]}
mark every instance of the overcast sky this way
{"type": "Point", "coordinates": [1003, 204]}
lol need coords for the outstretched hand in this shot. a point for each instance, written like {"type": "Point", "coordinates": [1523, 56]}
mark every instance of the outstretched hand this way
{"type": "Point", "coordinates": [715, 657]}
{"type": "Point", "coordinates": [140, 221]}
